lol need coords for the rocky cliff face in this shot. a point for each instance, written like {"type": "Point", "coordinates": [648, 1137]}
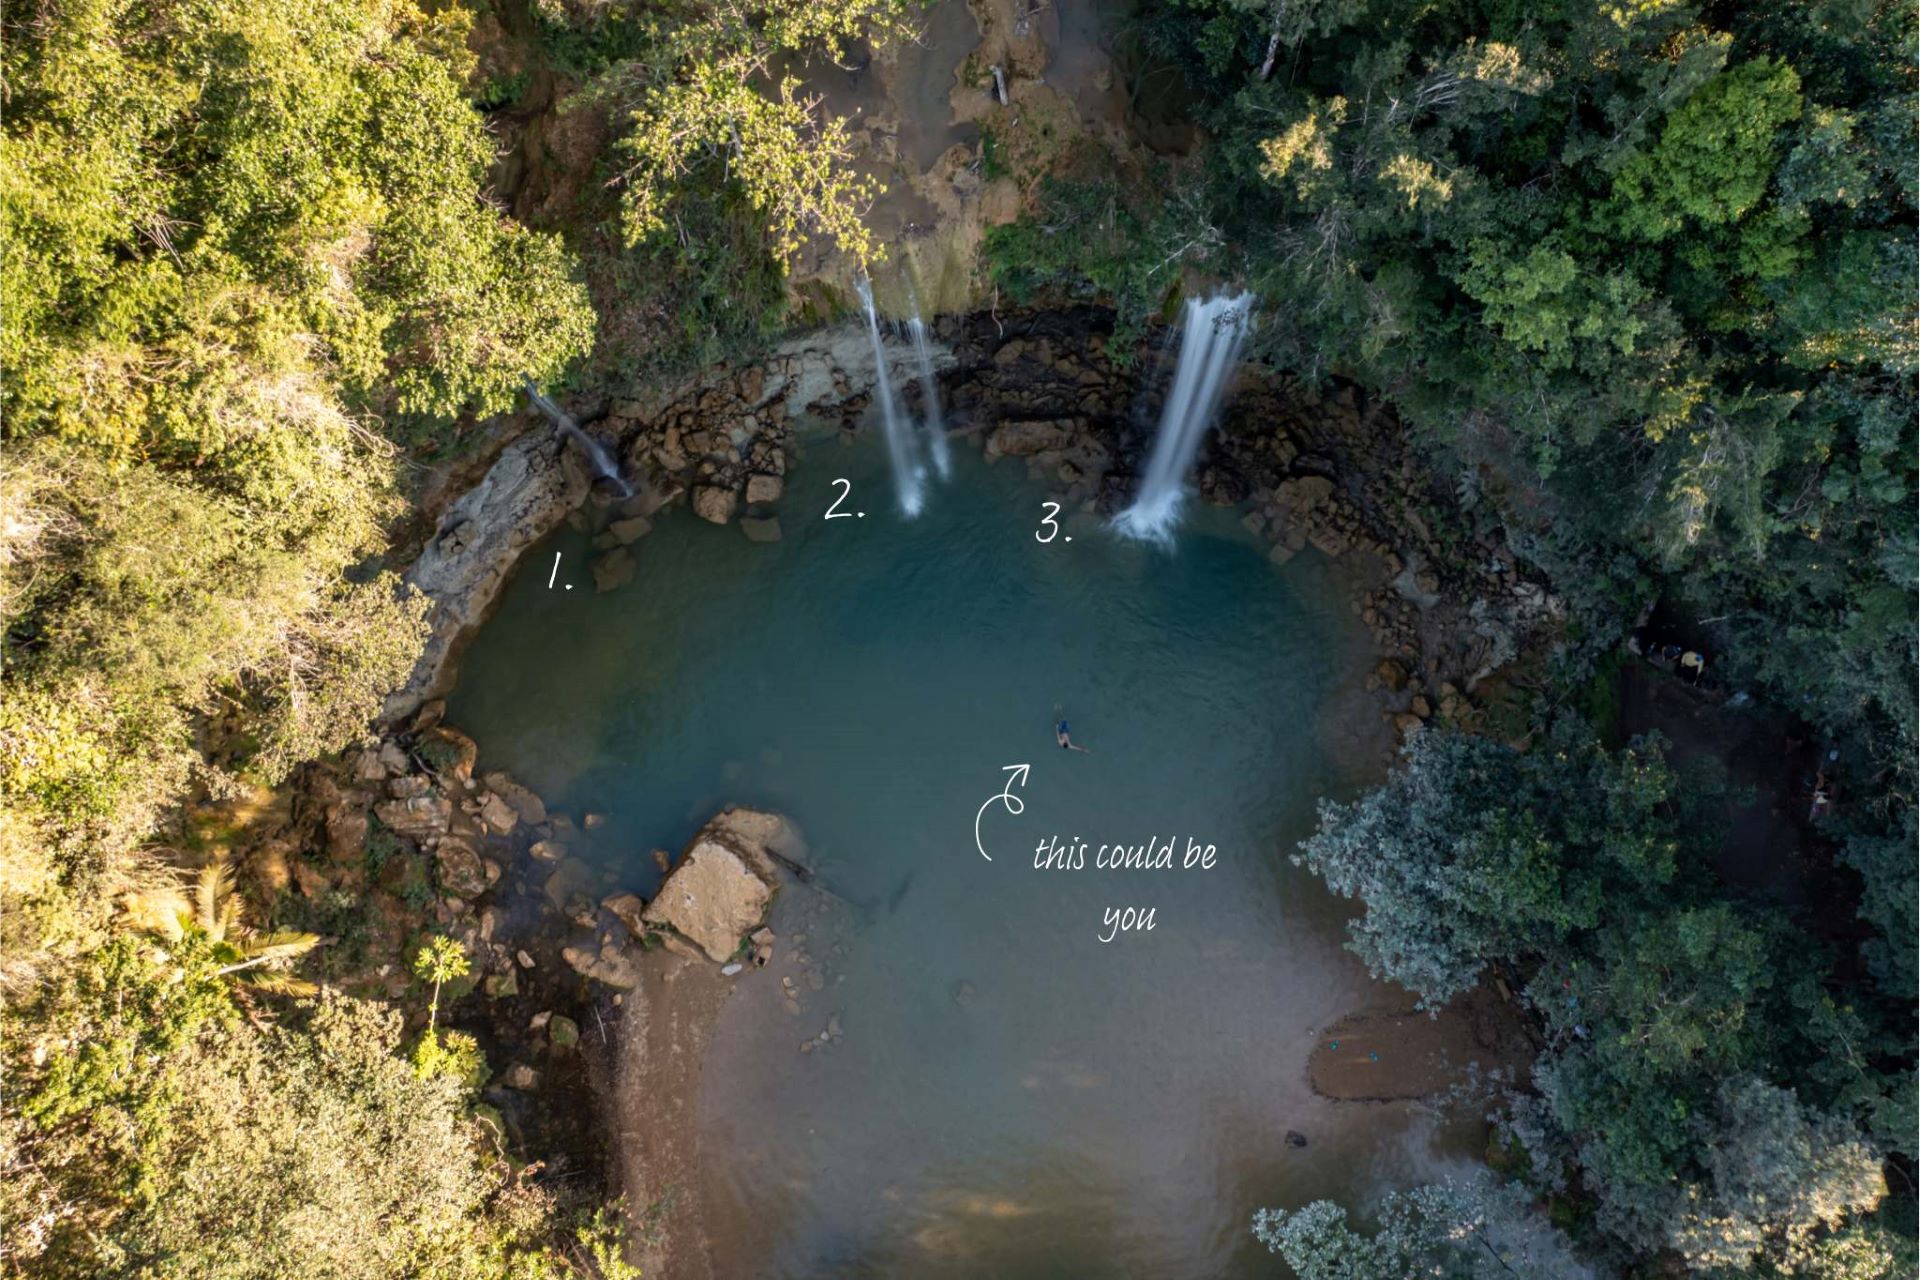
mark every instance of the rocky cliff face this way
{"type": "Point", "coordinates": [525, 494]}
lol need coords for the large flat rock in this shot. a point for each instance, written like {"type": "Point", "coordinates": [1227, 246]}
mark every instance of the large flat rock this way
{"type": "Point", "coordinates": [718, 890]}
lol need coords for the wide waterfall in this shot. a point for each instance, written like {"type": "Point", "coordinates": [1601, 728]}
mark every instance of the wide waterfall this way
{"type": "Point", "coordinates": [1211, 334]}
{"type": "Point", "coordinates": [908, 476]}
{"type": "Point", "coordinates": [931, 419]}
{"type": "Point", "coordinates": [602, 461]}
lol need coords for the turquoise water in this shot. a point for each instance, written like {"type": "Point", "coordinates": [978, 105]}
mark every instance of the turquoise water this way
{"type": "Point", "coordinates": [1009, 1094]}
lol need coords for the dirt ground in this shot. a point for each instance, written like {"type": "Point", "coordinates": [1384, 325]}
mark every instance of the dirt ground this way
{"type": "Point", "coordinates": [668, 1020]}
{"type": "Point", "coordinates": [1406, 1054]}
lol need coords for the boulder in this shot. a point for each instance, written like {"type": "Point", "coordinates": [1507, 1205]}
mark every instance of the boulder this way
{"type": "Point", "coordinates": [613, 965]}
{"type": "Point", "coordinates": [415, 784]}
{"type": "Point", "coordinates": [449, 752]}
{"type": "Point", "coordinates": [625, 532]}
{"type": "Point", "coordinates": [346, 832]}
{"type": "Point", "coordinates": [416, 817]}
{"type": "Point", "coordinates": [1303, 493]}
{"type": "Point", "coordinates": [570, 880]}
{"type": "Point", "coordinates": [498, 814]}
{"type": "Point", "coordinates": [627, 908]}
{"type": "Point", "coordinates": [1024, 439]}
{"type": "Point", "coordinates": [462, 873]}
{"type": "Point", "coordinates": [562, 1032]}
{"type": "Point", "coordinates": [764, 489]}
{"type": "Point", "coordinates": [529, 806]}
{"type": "Point", "coordinates": [547, 851]}
{"type": "Point", "coordinates": [614, 569]}
{"type": "Point", "coordinates": [713, 503]}
{"type": "Point", "coordinates": [718, 890]}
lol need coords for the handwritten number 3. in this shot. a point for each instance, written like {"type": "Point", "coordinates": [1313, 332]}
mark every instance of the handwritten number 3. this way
{"type": "Point", "coordinates": [1046, 522]}
{"type": "Point", "coordinates": [833, 512]}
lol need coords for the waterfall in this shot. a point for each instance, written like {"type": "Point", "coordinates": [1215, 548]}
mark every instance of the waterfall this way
{"type": "Point", "coordinates": [1210, 336]}
{"type": "Point", "coordinates": [907, 472]}
{"type": "Point", "coordinates": [603, 464]}
{"type": "Point", "coordinates": [933, 421]}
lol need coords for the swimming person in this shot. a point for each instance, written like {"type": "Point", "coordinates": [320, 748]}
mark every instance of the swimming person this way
{"type": "Point", "coordinates": [1065, 739]}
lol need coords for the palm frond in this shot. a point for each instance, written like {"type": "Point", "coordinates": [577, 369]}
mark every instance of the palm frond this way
{"type": "Point", "coordinates": [283, 944]}
{"type": "Point", "coordinates": [215, 898]}
{"type": "Point", "coordinates": [278, 984]}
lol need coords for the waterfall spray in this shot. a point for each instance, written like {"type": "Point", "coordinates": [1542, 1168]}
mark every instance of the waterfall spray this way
{"type": "Point", "coordinates": [907, 472]}
{"type": "Point", "coordinates": [1210, 337]}
{"type": "Point", "coordinates": [602, 461]}
{"type": "Point", "coordinates": [932, 420]}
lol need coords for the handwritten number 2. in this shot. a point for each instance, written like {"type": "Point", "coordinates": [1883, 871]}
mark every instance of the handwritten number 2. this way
{"type": "Point", "coordinates": [833, 512]}
{"type": "Point", "coordinates": [1047, 523]}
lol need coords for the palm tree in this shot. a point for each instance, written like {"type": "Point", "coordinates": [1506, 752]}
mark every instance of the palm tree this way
{"type": "Point", "coordinates": [212, 913]}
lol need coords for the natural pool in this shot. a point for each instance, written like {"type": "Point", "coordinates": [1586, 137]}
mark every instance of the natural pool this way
{"type": "Point", "coordinates": [1008, 1095]}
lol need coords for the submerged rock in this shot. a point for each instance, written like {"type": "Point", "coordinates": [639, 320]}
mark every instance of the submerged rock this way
{"type": "Point", "coordinates": [614, 965]}
{"type": "Point", "coordinates": [623, 533]}
{"type": "Point", "coordinates": [713, 503]}
{"type": "Point", "coordinates": [614, 569]}
{"type": "Point", "coordinates": [532, 810]}
{"type": "Point", "coordinates": [760, 529]}
{"type": "Point", "coordinates": [628, 909]}
{"type": "Point", "coordinates": [498, 814]}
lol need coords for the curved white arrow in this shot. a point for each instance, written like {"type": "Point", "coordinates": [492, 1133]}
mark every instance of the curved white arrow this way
{"type": "Point", "coordinates": [1013, 802]}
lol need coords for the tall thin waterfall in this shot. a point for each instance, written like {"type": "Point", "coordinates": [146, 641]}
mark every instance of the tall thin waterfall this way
{"type": "Point", "coordinates": [908, 475]}
{"type": "Point", "coordinates": [1211, 334]}
{"type": "Point", "coordinates": [932, 420]}
{"type": "Point", "coordinates": [602, 461]}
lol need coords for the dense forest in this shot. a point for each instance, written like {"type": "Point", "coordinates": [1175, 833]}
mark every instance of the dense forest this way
{"type": "Point", "coordinates": [1643, 279]}
{"type": "Point", "coordinates": [1640, 277]}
